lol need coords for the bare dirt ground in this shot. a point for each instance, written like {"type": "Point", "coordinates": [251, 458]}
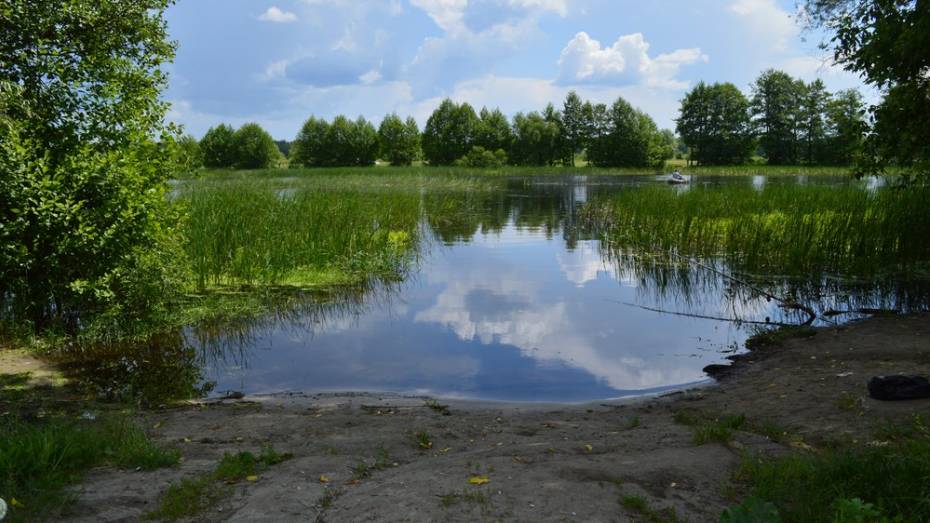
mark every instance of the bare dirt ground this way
{"type": "Point", "coordinates": [543, 462]}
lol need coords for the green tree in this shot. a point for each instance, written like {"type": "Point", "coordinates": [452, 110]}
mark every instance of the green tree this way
{"type": "Point", "coordinates": [535, 140]}
{"type": "Point", "coordinates": [85, 226]}
{"type": "Point", "coordinates": [846, 127]}
{"type": "Point", "coordinates": [309, 147]}
{"type": "Point", "coordinates": [775, 105]}
{"type": "Point", "coordinates": [575, 125]}
{"type": "Point", "coordinates": [714, 124]}
{"type": "Point", "coordinates": [187, 154]}
{"type": "Point", "coordinates": [481, 157]}
{"type": "Point", "coordinates": [562, 148]}
{"type": "Point", "coordinates": [886, 41]}
{"type": "Point", "coordinates": [813, 132]}
{"type": "Point", "coordinates": [254, 148]}
{"type": "Point", "coordinates": [217, 147]}
{"type": "Point", "coordinates": [449, 133]}
{"type": "Point", "coordinates": [493, 131]}
{"type": "Point", "coordinates": [364, 143]}
{"type": "Point", "coordinates": [399, 141]}
{"type": "Point", "coordinates": [630, 138]}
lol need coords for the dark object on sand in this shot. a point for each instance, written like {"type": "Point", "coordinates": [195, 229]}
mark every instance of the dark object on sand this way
{"type": "Point", "coordinates": [891, 388]}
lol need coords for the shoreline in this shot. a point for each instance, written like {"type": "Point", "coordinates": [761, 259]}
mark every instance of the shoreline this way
{"type": "Point", "coordinates": [542, 462]}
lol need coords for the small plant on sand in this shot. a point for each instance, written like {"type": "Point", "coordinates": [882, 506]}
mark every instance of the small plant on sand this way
{"type": "Point", "coordinates": [423, 440]}
{"type": "Point", "coordinates": [191, 496]}
{"type": "Point", "coordinates": [719, 430]}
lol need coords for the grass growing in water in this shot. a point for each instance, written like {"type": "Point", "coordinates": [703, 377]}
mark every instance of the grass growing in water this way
{"type": "Point", "coordinates": [254, 233]}
{"type": "Point", "coordinates": [37, 461]}
{"type": "Point", "coordinates": [778, 230]}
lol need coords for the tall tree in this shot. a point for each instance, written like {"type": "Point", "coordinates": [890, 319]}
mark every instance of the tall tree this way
{"type": "Point", "coordinates": [309, 147]}
{"type": "Point", "coordinates": [886, 41]}
{"type": "Point", "coordinates": [493, 132]}
{"type": "Point", "coordinates": [449, 133]}
{"type": "Point", "coordinates": [535, 140]}
{"type": "Point", "coordinates": [254, 148]}
{"type": "Point", "coordinates": [573, 121]}
{"type": "Point", "coordinates": [399, 141]}
{"type": "Point", "coordinates": [775, 105]}
{"type": "Point", "coordinates": [846, 127]}
{"type": "Point", "coordinates": [364, 143]}
{"type": "Point", "coordinates": [631, 139]}
{"type": "Point", "coordinates": [714, 124]}
{"type": "Point", "coordinates": [811, 118]}
{"type": "Point", "coordinates": [217, 147]}
{"type": "Point", "coordinates": [84, 221]}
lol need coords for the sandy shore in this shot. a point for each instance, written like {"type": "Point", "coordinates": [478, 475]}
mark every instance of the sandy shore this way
{"type": "Point", "coordinates": [543, 462]}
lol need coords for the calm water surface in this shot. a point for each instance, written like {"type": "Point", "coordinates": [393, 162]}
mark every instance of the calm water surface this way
{"type": "Point", "coordinates": [511, 302]}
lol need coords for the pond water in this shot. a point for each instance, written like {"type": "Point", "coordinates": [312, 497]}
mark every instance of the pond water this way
{"type": "Point", "coordinates": [510, 300]}
{"type": "Point", "coordinates": [512, 303]}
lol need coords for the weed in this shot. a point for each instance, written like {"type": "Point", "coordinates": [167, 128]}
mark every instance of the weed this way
{"type": "Point", "coordinates": [719, 430]}
{"type": "Point", "coordinates": [436, 406]}
{"type": "Point", "coordinates": [634, 422]}
{"type": "Point", "coordinates": [474, 496]}
{"type": "Point", "coordinates": [890, 479]}
{"type": "Point", "coordinates": [193, 495]}
{"type": "Point", "coordinates": [423, 440]}
{"type": "Point", "coordinates": [39, 460]}
{"type": "Point", "coordinates": [848, 402]}
{"type": "Point", "coordinates": [770, 337]}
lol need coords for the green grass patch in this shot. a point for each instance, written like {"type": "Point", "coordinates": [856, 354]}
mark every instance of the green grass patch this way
{"type": "Point", "coordinates": [887, 481]}
{"type": "Point", "coordinates": [39, 460]}
{"type": "Point", "coordinates": [191, 496]}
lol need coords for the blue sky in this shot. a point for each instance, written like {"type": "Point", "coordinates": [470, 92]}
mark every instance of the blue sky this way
{"type": "Point", "coordinates": [278, 62]}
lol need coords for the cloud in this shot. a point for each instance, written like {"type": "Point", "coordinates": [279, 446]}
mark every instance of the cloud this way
{"type": "Point", "coordinates": [766, 21]}
{"type": "Point", "coordinates": [626, 62]}
{"type": "Point", "coordinates": [477, 35]}
{"type": "Point", "coordinates": [276, 15]}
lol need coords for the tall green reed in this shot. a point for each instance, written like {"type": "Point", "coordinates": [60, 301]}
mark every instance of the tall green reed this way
{"type": "Point", "coordinates": [256, 232]}
{"type": "Point", "coordinates": [779, 230]}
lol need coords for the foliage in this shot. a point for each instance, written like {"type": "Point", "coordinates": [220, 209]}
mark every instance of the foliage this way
{"type": "Point", "coordinates": [627, 138]}
{"type": "Point", "coordinates": [186, 154]}
{"type": "Point", "coordinates": [254, 148]}
{"type": "Point", "coordinates": [714, 124]}
{"type": "Point", "coordinates": [535, 140]}
{"type": "Point", "coordinates": [493, 132]}
{"type": "Point", "coordinates": [217, 147]}
{"type": "Point", "coordinates": [309, 147]}
{"type": "Point", "coordinates": [880, 483]}
{"type": "Point", "coordinates": [480, 157]}
{"type": "Point", "coordinates": [575, 125]}
{"type": "Point", "coordinates": [776, 102]}
{"type": "Point", "coordinates": [886, 42]}
{"type": "Point", "coordinates": [342, 143]}
{"type": "Point", "coordinates": [39, 460]}
{"type": "Point", "coordinates": [751, 510]}
{"type": "Point", "coordinates": [399, 141]}
{"type": "Point", "coordinates": [846, 128]}
{"type": "Point", "coordinates": [450, 133]}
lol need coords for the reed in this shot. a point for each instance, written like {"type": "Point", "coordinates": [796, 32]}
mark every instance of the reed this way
{"type": "Point", "coordinates": [778, 230]}
{"type": "Point", "coordinates": [259, 232]}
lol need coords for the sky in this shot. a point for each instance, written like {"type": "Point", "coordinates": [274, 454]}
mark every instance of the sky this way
{"type": "Point", "coordinates": [279, 62]}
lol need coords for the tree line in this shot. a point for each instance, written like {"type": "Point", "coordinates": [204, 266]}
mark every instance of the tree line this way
{"type": "Point", "coordinates": [785, 120]}
{"type": "Point", "coordinates": [618, 135]}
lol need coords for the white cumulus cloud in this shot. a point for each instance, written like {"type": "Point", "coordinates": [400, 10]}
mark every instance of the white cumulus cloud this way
{"type": "Point", "coordinates": [277, 15]}
{"type": "Point", "coordinates": [626, 62]}
{"type": "Point", "coordinates": [767, 22]}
